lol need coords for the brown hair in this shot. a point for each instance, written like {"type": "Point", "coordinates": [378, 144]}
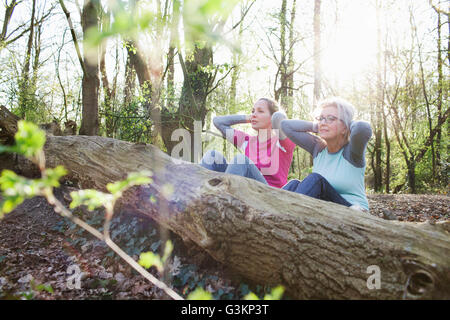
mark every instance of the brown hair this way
{"type": "Point", "coordinates": [271, 104]}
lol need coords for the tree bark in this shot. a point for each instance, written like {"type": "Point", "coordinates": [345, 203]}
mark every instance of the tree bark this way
{"type": "Point", "coordinates": [281, 92]}
{"type": "Point", "coordinates": [91, 82]}
{"type": "Point", "coordinates": [442, 177]}
{"type": "Point", "coordinates": [378, 181]}
{"type": "Point", "coordinates": [108, 102]}
{"type": "Point", "coordinates": [317, 53]}
{"type": "Point", "coordinates": [9, 9]}
{"type": "Point", "coordinates": [316, 249]}
{"type": "Point", "coordinates": [24, 92]}
{"type": "Point", "coordinates": [8, 126]}
{"type": "Point", "coordinates": [290, 78]}
{"type": "Point", "coordinates": [192, 103]}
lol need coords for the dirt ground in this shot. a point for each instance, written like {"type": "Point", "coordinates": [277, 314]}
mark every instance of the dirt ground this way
{"type": "Point", "coordinates": [44, 256]}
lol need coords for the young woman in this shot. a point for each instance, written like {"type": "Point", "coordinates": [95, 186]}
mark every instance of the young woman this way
{"type": "Point", "coordinates": [268, 155]}
{"type": "Point", "coordinates": [338, 154]}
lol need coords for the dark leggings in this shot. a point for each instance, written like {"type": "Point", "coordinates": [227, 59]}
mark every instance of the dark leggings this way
{"type": "Point", "coordinates": [317, 187]}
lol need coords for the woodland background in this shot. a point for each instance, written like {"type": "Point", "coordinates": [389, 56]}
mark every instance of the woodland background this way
{"type": "Point", "coordinates": [137, 70]}
{"type": "Point", "coordinates": [149, 67]}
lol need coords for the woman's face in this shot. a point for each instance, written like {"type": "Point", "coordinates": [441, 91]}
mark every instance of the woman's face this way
{"type": "Point", "coordinates": [334, 129]}
{"type": "Point", "coordinates": [261, 117]}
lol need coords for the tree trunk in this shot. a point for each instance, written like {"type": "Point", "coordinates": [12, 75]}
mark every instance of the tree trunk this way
{"type": "Point", "coordinates": [192, 103]}
{"type": "Point", "coordinates": [316, 249]}
{"type": "Point", "coordinates": [171, 55]}
{"type": "Point", "coordinates": [317, 53]}
{"type": "Point", "coordinates": [142, 71]}
{"type": "Point", "coordinates": [290, 77]}
{"type": "Point", "coordinates": [90, 83]}
{"type": "Point", "coordinates": [281, 92]}
{"type": "Point", "coordinates": [412, 175]}
{"type": "Point", "coordinates": [108, 96]}
{"type": "Point", "coordinates": [236, 62]}
{"type": "Point", "coordinates": [130, 80]}
{"type": "Point", "coordinates": [378, 182]}
{"type": "Point", "coordinates": [387, 174]}
{"type": "Point", "coordinates": [442, 177]}
{"type": "Point", "coordinates": [9, 9]}
{"type": "Point", "coordinates": [24, 90]}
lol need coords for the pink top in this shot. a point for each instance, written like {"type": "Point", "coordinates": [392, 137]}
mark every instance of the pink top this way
{"type": "Point", "coordinates": [272, 157]}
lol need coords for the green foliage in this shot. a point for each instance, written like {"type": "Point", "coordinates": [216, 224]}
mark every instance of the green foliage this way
{"type": "Point", "coordinates": [16, 189]}
{"type": "Point", "coordinates": [150, 259]}
{"type": "Point", "coordinates": [133, 179]}
{"type": "Point", "coordinates": [275, 294]}
{"type": "Point", "coordinates": [200, 294]}
{"type": "Point", "coordinates": [91, 198]}
{"type": "Point", "coordinates": [128, 21]}
{"type": "Point", "coordinates": [132, 122]}
{"type": "Point", "coordinates": [29, 140]}
{"type": "Point", "coordinates": [251, 296]}
{"type": "Point", "coordinates": [94, 199]}
{"type": "Point", "coordinates": [200, 18]}
{"type": "Point", "coordinates": [35, 288]}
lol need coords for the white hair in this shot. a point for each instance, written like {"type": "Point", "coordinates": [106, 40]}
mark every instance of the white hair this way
{"type": "Point", "coordinates": [345, 109]}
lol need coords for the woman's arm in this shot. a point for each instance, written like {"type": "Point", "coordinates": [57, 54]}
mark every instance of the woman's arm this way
{"type": "Point", "coordinates": [277, 117]}
{"type": "Point", "coordinates": [224, 123]}
{"type": "Point", "coordinates": [297, 131]}
{"type": "Point", "coordinates": [360, 133]}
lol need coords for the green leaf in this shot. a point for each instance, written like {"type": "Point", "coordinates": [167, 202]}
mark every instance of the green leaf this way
{"type": "Point", "coordinates": [200, 294]}
{"type": "Point", "coordinates": [29, 138]}
{"type": "Point", "coordinates": [149, 259]}
{"type": "Point", "coordinates": [16, 189]}
{"type": "Point", "coordinates": [91, 198]}
{"type": "Point", "coordinates": [133, 179]}
{"type": "Point", "coordinates": [275, 294]}
{"type": "Point", "coordinates": [52, 176]}
{"type": "Point", "coordinates": [9, 204]}
{"type": "Point", "coordinates": [42, 287]}
{"type": "Point", "coordinates": [167, 250]}
{"type": "Point", "coordinates": [251, 296]}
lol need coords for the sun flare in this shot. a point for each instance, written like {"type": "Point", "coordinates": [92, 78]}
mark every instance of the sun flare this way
{"type": "Point", "coordinates": [351, 49]}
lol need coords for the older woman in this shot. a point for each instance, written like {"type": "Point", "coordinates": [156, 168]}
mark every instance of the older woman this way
{"type": "Point", "coordinates": [267, 156]}
{"type": "Point", "coordinates": [338, 154]}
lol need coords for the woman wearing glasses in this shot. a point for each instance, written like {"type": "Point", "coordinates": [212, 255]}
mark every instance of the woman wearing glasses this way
{"type": "Point", "coordinates": [338, 154]}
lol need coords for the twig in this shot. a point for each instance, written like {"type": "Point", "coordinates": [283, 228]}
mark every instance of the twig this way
{"type": "Point", "coordinates": [63, 211]}
{"type": "Point", "coordinates": [74, 37]}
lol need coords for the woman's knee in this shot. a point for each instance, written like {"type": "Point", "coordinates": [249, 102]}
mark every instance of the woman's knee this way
{"type": "Point", "coordinates": [314, 177]}
{"type": "Point", "coordinates": [241, 159]}
{"type": "Point", "coordinates": [291, 185]}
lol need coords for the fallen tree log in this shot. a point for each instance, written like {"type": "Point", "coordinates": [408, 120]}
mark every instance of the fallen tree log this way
{"type": "Point", "coordinates": [316, 249]}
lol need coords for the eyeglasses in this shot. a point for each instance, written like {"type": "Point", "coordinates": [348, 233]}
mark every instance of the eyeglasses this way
{"type": "Point", "coordinates": [328, 119]}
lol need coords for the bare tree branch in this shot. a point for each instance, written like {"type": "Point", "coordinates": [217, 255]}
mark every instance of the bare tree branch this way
{"type": "Point", "coordinates": [74, 36]}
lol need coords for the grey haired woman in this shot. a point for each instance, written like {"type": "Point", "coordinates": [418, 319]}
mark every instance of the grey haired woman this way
{"type": "Point", "coordinates": [338, 154]}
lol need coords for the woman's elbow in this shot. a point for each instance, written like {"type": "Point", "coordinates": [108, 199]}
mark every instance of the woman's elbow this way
{"type": "Point", "coordinates": [216, 122]}
{"type": "Point", "coordinates": [362, 127]}
{"type": "Point", "coordinates": [285, 127]}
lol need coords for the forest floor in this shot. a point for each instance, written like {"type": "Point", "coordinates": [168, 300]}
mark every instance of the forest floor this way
{"type": "Point", "coordinates": [40, 253]}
